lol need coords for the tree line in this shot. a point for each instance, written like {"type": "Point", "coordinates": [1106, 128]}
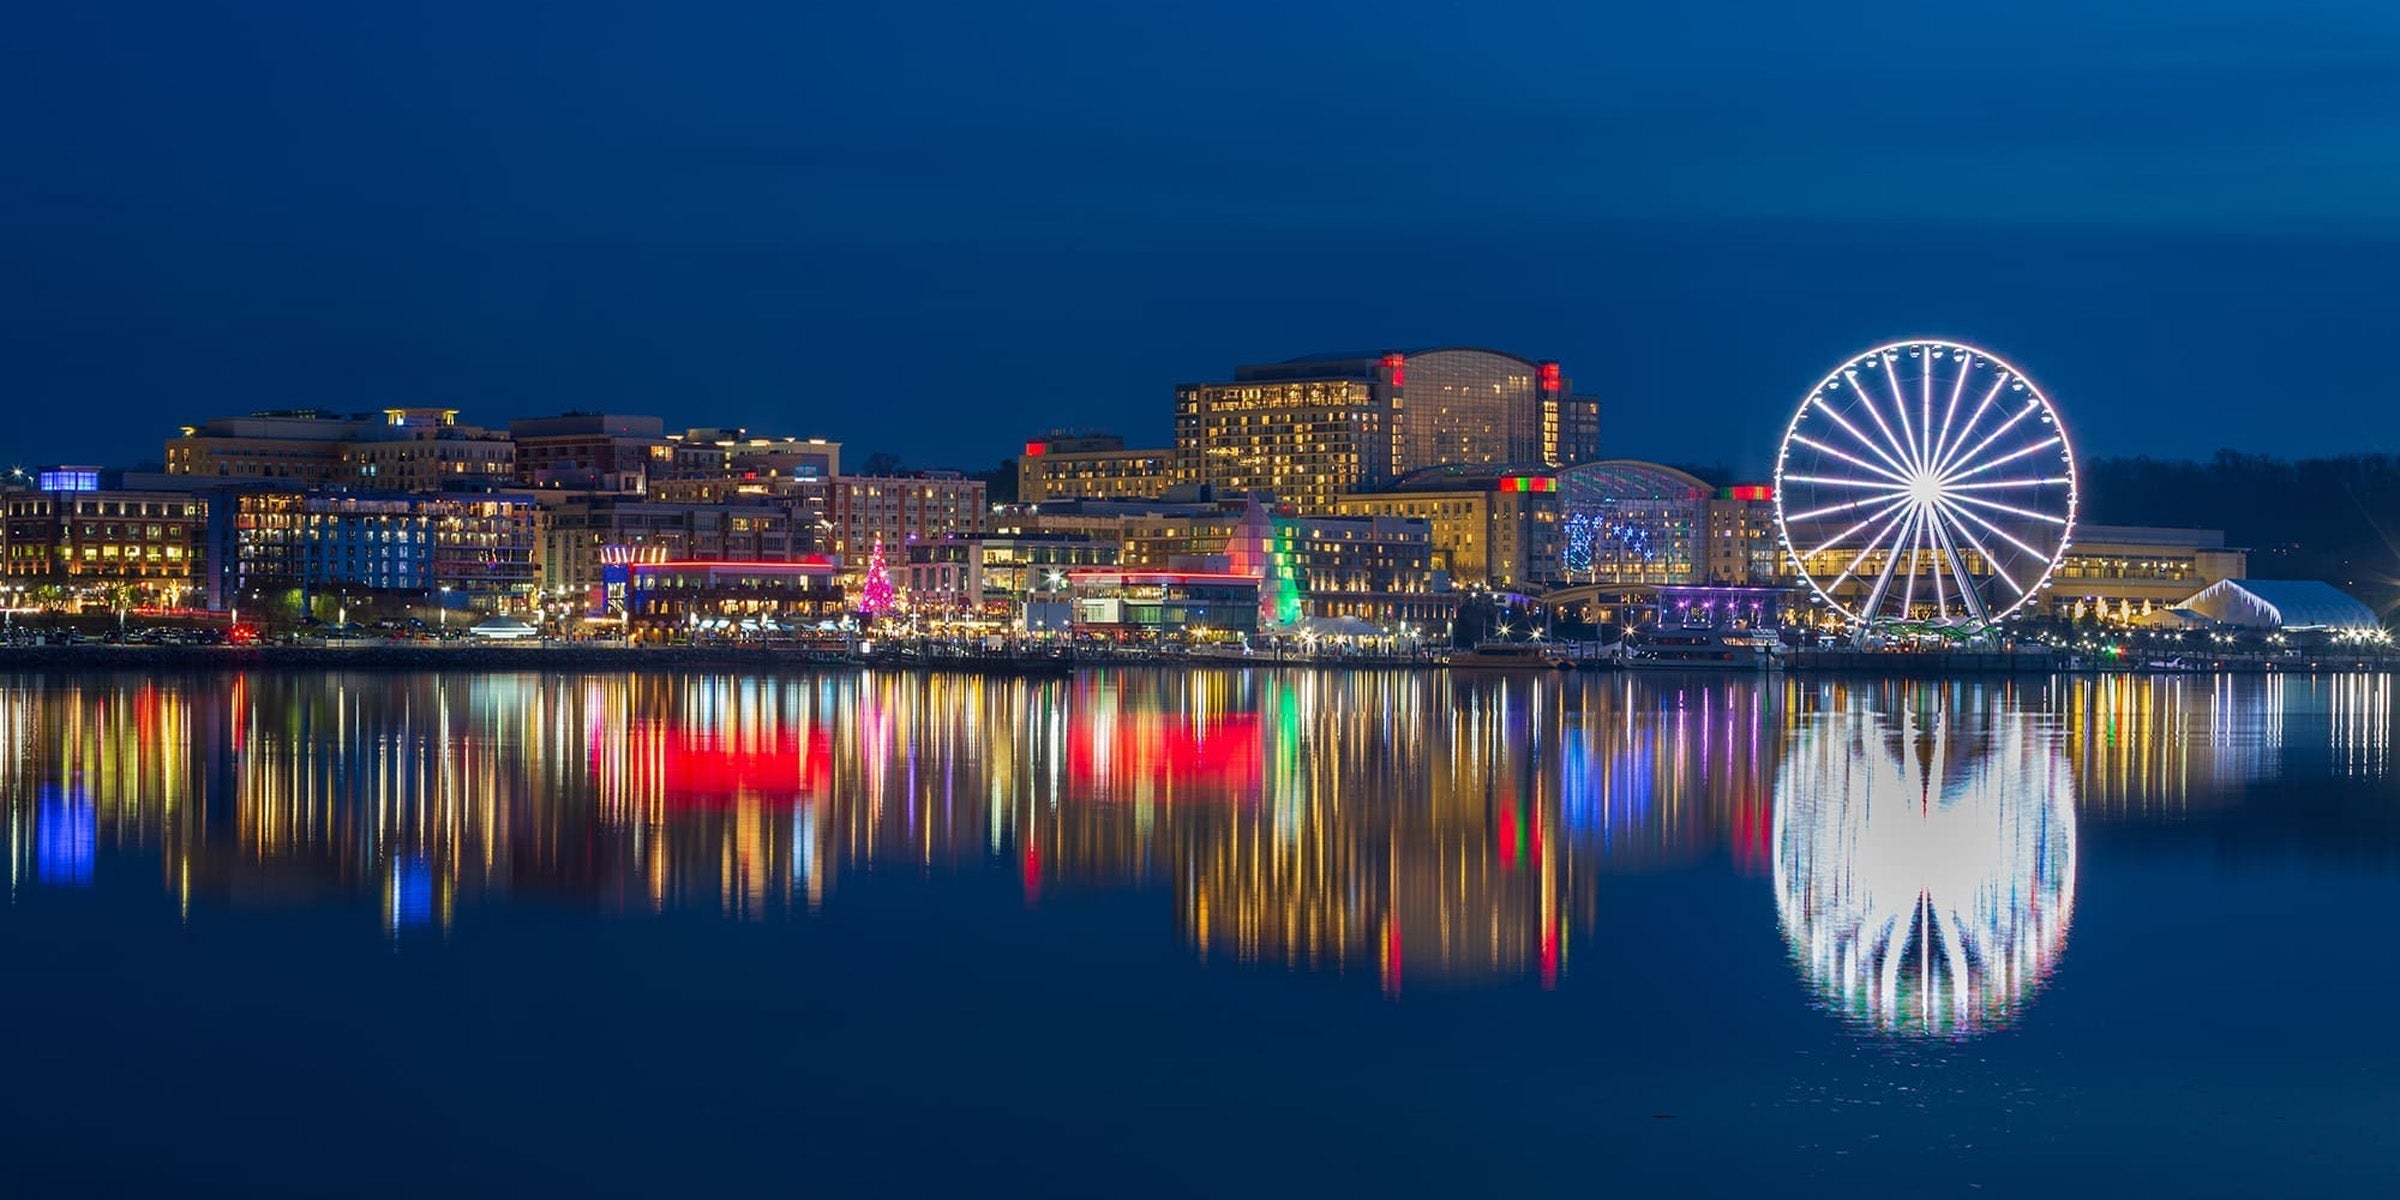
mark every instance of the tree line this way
{"type": "Point", "coordinates": [2335, 519]}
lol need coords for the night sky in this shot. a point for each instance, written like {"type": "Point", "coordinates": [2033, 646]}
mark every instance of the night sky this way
{"type": "Point", "coordinates": [937, 229]}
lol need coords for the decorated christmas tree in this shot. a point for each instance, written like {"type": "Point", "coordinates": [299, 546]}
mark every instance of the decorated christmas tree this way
{"type": "Point", "coordinates": [875, 596]}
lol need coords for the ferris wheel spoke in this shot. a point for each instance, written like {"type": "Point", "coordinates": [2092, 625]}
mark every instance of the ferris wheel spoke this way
{"type": "Point", "coordinates": [1925, 404]}
{"type": "Point", "coordinates": [2010, 509]}
{"type": "Point", "coordinates": [1872, 517]}
{"type": "Point", "coordinates": [1899, 470]}
{"type": "Point", "coordinates": [2009, 457]}
{"type": "Point", "coordinates": [1852, 459]}
{"type": "Point", "coordinates": [1847, 506]}
{"type": "Point", "coordinates": [1891, 560]}
{"type": "Point", "coordinates": [1958, 388]}
{"type": "Point", "coordinates": [1990, 484]}
{"type": "Point", "coordinates": [1907, 465]}
{"type": "Point", "coordinates": [1960, 461]}
{"type": "Point", "coordinates": [1881, 485]}
{"type": "Point", "coordinates": [1861, 557]}
{"type": "Point", "coordinates": [1891, 379]}
{"type": "Point", "coordinates": [1973, 419]}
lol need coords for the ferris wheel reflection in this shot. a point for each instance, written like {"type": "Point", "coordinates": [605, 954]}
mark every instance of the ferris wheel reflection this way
{"type": "Point", "coordinates": [1924, 862]}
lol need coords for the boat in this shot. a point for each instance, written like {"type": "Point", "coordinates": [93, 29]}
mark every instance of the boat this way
{"type": "Point", "coordinates": [1513, 656]}
{"type": "Point", "coordinates": [1696, 649]}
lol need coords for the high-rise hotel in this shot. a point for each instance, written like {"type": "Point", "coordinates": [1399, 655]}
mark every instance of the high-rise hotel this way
{"type": "Point", "coordinates": [1310, 429]}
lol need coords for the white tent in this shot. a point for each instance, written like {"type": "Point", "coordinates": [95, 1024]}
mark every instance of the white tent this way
{"type": "Point", "coordinates": [502, 628]}
{"type": "Point", "coordinates": [1333, 627]}
{"type": "Point", "coordinates": [2287, 604]}
{"type": "Point", "coordinates": [2173, 618]}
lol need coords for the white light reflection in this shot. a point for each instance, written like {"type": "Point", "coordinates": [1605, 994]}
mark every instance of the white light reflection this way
{"type": "Point", "coordinates": [1925, 863]}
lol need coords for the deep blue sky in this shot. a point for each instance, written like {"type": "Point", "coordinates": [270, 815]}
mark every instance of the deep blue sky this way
{"type": "Point", "coordinates": [937, 228]}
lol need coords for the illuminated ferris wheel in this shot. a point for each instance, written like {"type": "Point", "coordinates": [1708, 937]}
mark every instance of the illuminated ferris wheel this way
{"type": "Point", "coordinates": [1925, 483]}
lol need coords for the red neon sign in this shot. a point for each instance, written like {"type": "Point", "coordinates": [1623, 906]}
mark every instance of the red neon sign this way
{"type": "Point", "coordinates": [1398, 365]}
{"type": "Point", "coordinates": [1550, 377]}
{"type": "Point", "coordinates": [1036, 449]}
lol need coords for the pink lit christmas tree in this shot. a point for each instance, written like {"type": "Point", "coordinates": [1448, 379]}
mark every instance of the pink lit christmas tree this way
{"type": "Point", "coordinates": [875, 595]}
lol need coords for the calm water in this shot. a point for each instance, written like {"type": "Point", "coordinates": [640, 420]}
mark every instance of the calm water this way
{"type": "Point", "coordinates": [1210, 933]}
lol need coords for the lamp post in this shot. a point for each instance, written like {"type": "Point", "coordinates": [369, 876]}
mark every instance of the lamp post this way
{"type": "Point", "coordinates": [442, 607]}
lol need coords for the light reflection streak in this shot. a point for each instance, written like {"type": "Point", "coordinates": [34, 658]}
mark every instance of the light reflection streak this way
{"type": "Point", "coordinates": [1402, 827]}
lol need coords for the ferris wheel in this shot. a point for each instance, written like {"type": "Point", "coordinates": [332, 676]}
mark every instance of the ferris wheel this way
{"type": "Point", "coordinates": [1925, 483]}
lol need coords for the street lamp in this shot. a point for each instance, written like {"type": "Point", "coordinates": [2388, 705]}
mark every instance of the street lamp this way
{"type": "Point", "coordinates": [442, 609]}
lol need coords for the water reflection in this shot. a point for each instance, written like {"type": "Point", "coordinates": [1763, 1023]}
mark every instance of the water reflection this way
{"type": "Point", "coordinates": [1407, 828]}
{"type": "Point", "coordinates": [1925, 860]}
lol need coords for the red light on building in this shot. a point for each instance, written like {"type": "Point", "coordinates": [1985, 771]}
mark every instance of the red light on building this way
{"type": "Point", "coordinates": [1528, 483]}
{"type": "Point", "coordinates": [1397, 364]}
{"type": "Point", "coordinates": [1036, 449]}
{"type": "Point", "coordinates": [1550, 377]}
{"type": "Point", "coordinates": [1750, 491]}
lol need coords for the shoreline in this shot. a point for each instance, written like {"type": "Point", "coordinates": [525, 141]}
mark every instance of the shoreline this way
{"type": "Point", "coordinates": [587, 657]}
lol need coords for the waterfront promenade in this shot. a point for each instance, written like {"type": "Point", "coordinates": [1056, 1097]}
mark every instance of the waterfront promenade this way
{"type": "Point", "coordinates": [611, 656]}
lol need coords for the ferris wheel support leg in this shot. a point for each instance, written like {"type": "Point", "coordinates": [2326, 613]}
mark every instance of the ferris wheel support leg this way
{"type": "Point", "coordinates": [1958, 571]}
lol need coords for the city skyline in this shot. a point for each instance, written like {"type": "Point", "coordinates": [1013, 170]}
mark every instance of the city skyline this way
{"type": "Point", "coordinates": [1686, 218]}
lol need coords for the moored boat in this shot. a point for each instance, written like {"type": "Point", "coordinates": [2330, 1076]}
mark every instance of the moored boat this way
{"type": "Point", "coordinates": [1513, 656]}
{"type": "Point", "coordinates": [1691, 649]}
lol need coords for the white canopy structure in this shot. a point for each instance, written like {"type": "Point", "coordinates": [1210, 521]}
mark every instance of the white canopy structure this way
{"type": "Point", "coordinates": [502, 628]}
{"type": "Point", "coordinates": [1334, 627]}
{"type": "Point", "coordinates": [2294, 605]}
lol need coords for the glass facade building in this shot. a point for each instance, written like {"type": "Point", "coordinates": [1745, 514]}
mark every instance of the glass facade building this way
{"type": "Point", "coordinates": [1633, 522]}
{"type": "Point", "coordinates": [482, 547]}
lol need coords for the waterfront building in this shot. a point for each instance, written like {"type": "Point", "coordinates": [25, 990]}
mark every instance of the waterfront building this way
{"type": "Point", "coordinates": [1491, 527]}
{"type": "Point", "coordinates": [1161, 605]}
{"type": "Point", "coordinates": [999, 573]}
{"type": "Point", "coordinates": [396, 449]}
{"type": "Point", "coordinates": [1091, 466]}
{"type": "Point", "coordinates": [582, 534]}
{"type": "Point", "coordinates": [458, 550]}
{"type": "Point", "coordinates": [1106, 520]}
{"type": "Point", "coordinates": [1379, 569]}
{"type": "Point", "coordinates": [2114, 573]}
{"type": "Point", "coordinates": [736, 454]}
{"type": "Point", "coordinates": [300, 446]}
{"type": "Point", "coordinates": [899, 509]}
{"type": "Point", "coordinates": [2125, 570]}
{"type": "Point", "coordinates": [1310, 429]}
{"type": "Point", "coordinates": [605, 452]}
{"type": "Point", "coordinates": [79, 530]}
{"type": "Point", "coordinates": [1741, 547]}
{"type": "Point", "coordinates": [731, 599]}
